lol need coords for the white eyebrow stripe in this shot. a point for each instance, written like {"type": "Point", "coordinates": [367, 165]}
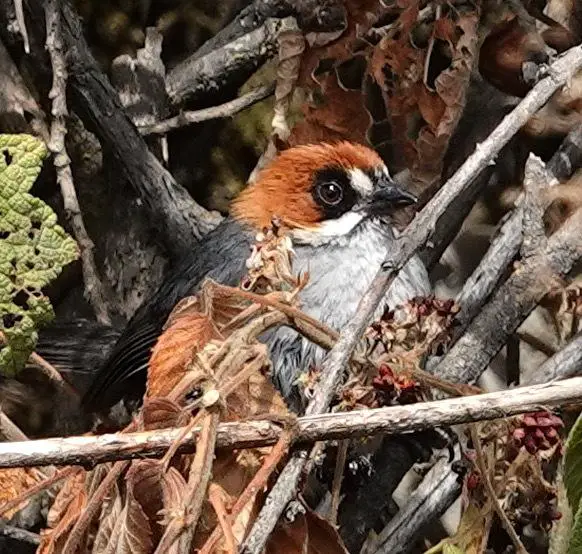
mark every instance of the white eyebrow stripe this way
{"type": "Point", "coordinates": [361, 182]}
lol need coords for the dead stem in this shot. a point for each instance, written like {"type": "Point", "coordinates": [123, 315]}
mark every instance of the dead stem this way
{"type": "Point", "coordinates": [216, 496]}
{"type": "Point", "coordinates": [338, 476]}
{"type": "Point", "coordinates": [79, 530]}
{"type": "Point", "coordinates": [518, 545]}
{"type": "Point", "coordinates": [258, 482]}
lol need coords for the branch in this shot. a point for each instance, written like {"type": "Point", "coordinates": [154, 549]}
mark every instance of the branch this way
{"type": "Point", "coordinates": [415, 236]}
{"type": "Point", "coordinates": [511, 304]}
{"type": "Point", "coordinates": [536, 180]}
{"type": "Point", "coordinates": [569, 156]}
{"type": "Point", "coordinates": [94, 290]}
{"type": "Point", "coordinates": [436, 492]}
{"type": "Point", "coordinates": [565, 363]}
{"type": "Point", "coordinates": [181, 220]}
{"type": "Point", "coordinates": [506, 244]}
{"type": "Point", "coordinates": [228, 109]}
{"type": "Point", "coordinates": [228, 58]}
{"type": "Point", "coordinates": [252, 434]}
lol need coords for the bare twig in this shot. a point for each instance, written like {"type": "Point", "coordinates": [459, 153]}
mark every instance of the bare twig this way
{"type": "Point", "coordinates": [388, 421]}
{"type": "Point", "coordinates": [183, 526]}
{"type": "Point", "coordinates": [257, 483]}
{"type": "Point", "coordinates": [228, 58]}
{"type": "Point", "coordinates": [480, 459]}
{"type": "Point", "coordinates": [94, 289]}
{"type": "Point", "coordinates": [217, 69]}
{"type": "Point", "coordinates": [338, 476]}
{"type": "Point", "coordinates": [416, 235]}
{"type": "Point", "coordinates": [38, 488]}
{"type": "Point", "coordinates": [216, 497]}
{"type": "Point", "coordinates": [228, 109]}
{"type": "Point", "coordinates": [18, 9]}
{"type": "Point", "coordinates": [179, 218]}
{"type": "Point", "coordinates": [77, 533]}
{"type": "Point", "coordinates": [569, 156]}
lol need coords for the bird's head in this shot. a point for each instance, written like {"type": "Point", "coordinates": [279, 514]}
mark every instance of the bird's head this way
{"type": "Point", "coordinates": [321, 192]}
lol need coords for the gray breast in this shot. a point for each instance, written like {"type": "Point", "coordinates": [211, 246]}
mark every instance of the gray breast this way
{"type": "Point", "coordinates": [339, 274]}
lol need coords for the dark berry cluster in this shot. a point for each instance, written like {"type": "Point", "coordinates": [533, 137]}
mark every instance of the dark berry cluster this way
{"type": "Point", "coordinates": [537, 431]}
{"type": "Point", "coordinates": [392, 387]}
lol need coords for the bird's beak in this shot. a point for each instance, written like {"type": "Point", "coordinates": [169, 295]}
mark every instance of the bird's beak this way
{"type": "Point", "coordinates": [387, 196]}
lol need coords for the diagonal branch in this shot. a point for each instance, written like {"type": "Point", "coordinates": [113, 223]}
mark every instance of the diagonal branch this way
{"type": "Point", "coordinates": [416, 235]}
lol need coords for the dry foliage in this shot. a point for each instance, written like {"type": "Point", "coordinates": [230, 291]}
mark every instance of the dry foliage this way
{"type": "Point", "coordinates": [206, 367]}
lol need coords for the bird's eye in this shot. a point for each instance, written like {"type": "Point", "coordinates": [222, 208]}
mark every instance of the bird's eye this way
{"type": "Point", "coordinates": [330, 193]}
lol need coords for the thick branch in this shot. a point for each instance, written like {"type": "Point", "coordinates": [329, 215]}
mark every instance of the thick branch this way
{"type": "Point", "coordinates": [180, 219]}
{"type": "Point", "coordinates": [437, 491]}
{"type": "Point", "coordinates": [565, 363]}
{"type": "Point", "coordinates": [228, 58]}
{"type": "Point", "coordinates": [507, 242]}
{"type": "Point", "coordinates": [511, 304]}
{"type": "Point", "coordinates": [416, 235]}
{"type": "Point", "coordinates": [386, 421]}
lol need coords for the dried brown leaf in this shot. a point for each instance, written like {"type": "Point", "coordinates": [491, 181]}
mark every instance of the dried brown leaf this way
{"type": "Point", "coordinates": [442, 115]}
{"type": "Point", "coordinates": [68, 509]}
{"type": "Point", "coordinates": [161, 413]}
{"type": "Point", "coordinates": [308, 534]}
{"type": "Point", "coordinates": [174, 350]}
{"type": "Point", "coordinates": [332, 113]}
{"type": "Point", "coordinates": [131, 533]}
{"type": "Point", "coordinates": [110, 514]}
{"type": "Point", "coordinates": [13, 482]}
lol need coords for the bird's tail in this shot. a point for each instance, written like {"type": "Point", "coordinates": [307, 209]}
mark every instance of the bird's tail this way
{"type": "Point", "coordinates": [77, 348]}
{"type": "Point", "coordinates": [37, 403]}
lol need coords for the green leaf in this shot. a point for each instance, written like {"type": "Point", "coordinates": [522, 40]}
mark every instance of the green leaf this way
{"type": "Point", "coordinates": [452, 549]}
{"type": "Point", "coordinates": [575, 545]}
{"type": "Point", "coordinates": [573, 465]}
{"type": "Point", "coordinates": [33, 250]}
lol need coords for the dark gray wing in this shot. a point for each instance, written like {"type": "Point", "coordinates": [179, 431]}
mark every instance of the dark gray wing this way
{"type": "Point", "coordinates": [221, 255]}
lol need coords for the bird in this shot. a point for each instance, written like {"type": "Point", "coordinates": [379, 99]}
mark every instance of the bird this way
{"type": "Point", "coordinates": [336, 202]}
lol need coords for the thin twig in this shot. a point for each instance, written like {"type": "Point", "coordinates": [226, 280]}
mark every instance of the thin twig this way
{"type": "Point", "coordinates": [216, 497]}
{"type": "Point", "coordinates": [536, 180]}
{"type": "Point", "coordinates": [228, 109]}
{"type": "Point", "coordinates": [415, 236]}
{"type": "Point", "coordinates": [79, 530]}
{"type": "Point", "coordinates": [182, 528]}
{"type": "Point", "coordinates": [19, 11]}
{"type": "Point", "coordinates": [258, 482]}
{"type": "Point", "coordinates": [435, 493]}
{"type": "Point", "coordinates": [480, 459]}
{"type": "Point", "coordinates": [335, 426]}
{"type": "Point", "coordinates": [565, 363]}
{"type": "Point", "coordinates": [94, 289]}
{"type": "Point", "coordinates": [338, 476]}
